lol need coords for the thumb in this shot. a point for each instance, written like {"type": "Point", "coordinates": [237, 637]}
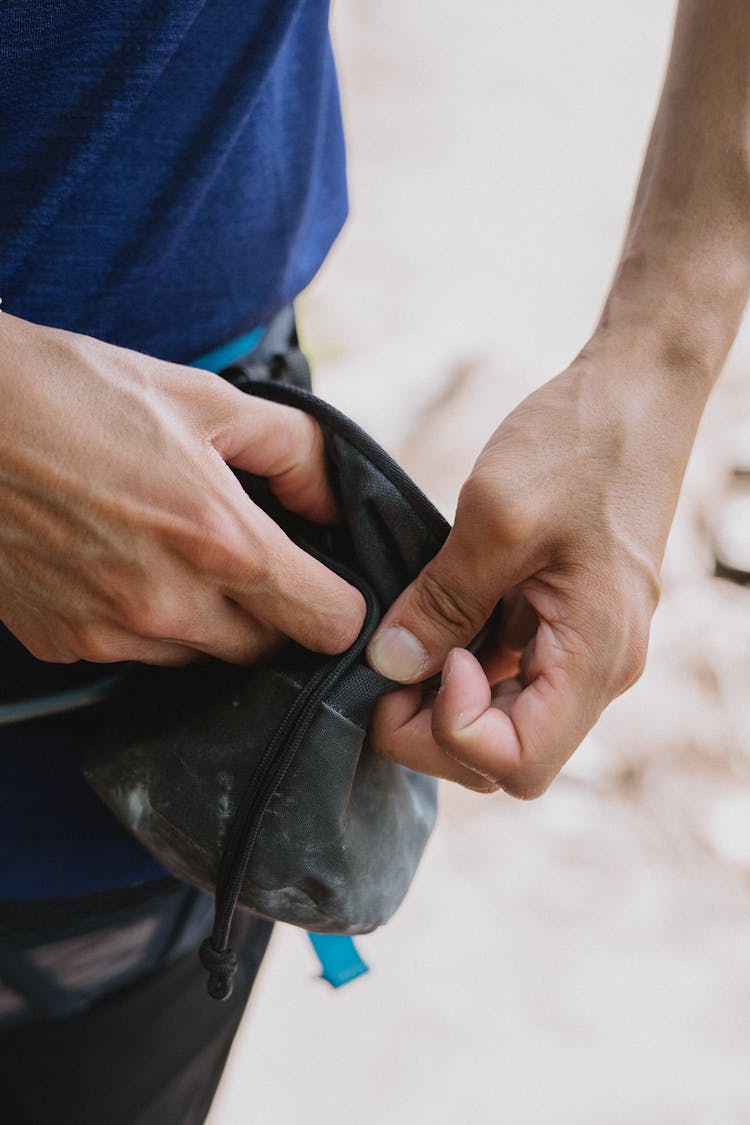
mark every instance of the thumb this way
{"type": "Point", "coordinates": [445, 607]}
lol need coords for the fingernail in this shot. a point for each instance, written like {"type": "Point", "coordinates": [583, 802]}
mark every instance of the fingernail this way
{"type": "Point", "coordinates": [397, 654]}
{"type": "Point", "coordinates": [445, 675]}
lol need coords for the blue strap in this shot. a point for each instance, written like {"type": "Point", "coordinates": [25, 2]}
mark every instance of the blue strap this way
{"type": "Point", "coordinates": [338, 958]}
{"type": "Point", "coordinates": [220, 357]}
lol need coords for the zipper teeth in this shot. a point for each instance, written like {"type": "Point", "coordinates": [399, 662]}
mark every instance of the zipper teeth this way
{"type": "Point", "coordinates": [283, 746]}
{"type": "Point", "coordinates": [249, 813]}
{"type": "Point", "coordinates": [275, 763]}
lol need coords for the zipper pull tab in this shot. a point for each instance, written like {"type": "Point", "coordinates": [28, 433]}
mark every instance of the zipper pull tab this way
{"type": "Point", "coordinates": [221, 965]}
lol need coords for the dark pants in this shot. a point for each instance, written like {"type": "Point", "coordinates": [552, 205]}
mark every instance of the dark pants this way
{"type": "Point", "coordinates": [104, 1016]}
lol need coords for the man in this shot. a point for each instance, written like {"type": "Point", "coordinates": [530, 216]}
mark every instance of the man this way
{"type": "Point", "coordinates": [172, 179]}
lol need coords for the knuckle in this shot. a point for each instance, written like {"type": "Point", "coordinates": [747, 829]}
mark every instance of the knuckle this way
{"type": "Point", "coordinates": [46, 649]}
{"type": "Point", "coordinates": [341, 633]}
{"type": "Point", "coordinates": [485, 788]}
{"type": "Point", "coordinates": [636, 653]}
{"type": "Point", "coordinates": [378, 738]}
{"type": "Point", "coordinates": [207, 544]}
{"type": "Point", "coordinates": [526, 788]}
{"type": "Point", "coordinates": [255, 568]}
{"type": "Point", "coordinates": [159, 622]}
{"type": "Point", "coordinates": [377, 729]}
{"type": "Point", "coordinates": [132, 612]}
{"type": "Point", "coordinates": [477, 495]}
{"type": "Point", "coordinates": [213, 544]}
{"type": "Point", "coordinates": [170, 659]}
{"type": "Point", "coordinates": [149, 615]}
{"type": "Point", "coordinates": [95, 644]}
{"type": "Point", "coordinates": [253, 648]}
{"type": "Point", "coordinates": [504, 514]}
{"type": "Point", "coordinates": [208, 548]}
{"type": "Point", "coordinates": [231, 558]}
{"type": "Point", "coordinates": [436, 601]}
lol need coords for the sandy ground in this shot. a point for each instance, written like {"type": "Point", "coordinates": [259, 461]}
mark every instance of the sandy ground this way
{"type": "Point", "coordinates": [585, 958]}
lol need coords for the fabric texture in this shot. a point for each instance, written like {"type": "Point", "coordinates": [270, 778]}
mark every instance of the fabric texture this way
{"type": "Point", "coordinates": [172, 174]}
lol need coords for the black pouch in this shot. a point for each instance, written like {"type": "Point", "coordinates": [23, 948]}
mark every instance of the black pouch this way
{"type": "Point", "coordinates": [258, 784]}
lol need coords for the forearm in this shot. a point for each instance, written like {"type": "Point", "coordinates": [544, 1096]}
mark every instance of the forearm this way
{"type": "Point", "coordinates": [684, 276]}
{"type": "Point", "coordinates": [567, 510]}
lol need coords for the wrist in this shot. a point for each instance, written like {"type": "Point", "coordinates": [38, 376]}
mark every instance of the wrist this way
{"type": "Point", "coordinates": [680, 310]}
{"type": "Point", "coordinates": [684, 277]}
{"type": "Point", "coordinates": [644, 387]}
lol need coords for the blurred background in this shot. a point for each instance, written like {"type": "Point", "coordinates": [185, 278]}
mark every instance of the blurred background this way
{"type": "Point", "coordinates": [584, 958]}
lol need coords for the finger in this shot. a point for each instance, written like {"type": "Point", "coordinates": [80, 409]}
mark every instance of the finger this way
{"type": "Point", "coordinates": [401, 729]}
{"type": "Point", "coordinates": [284, 445]}
{"type": "Point", "coordinates": [523, 736]}
{"type": "Point", "coordinates": [293, 592]}
{"type": "Point", "coordinates": [499, 663]}
{"type": "Point", "coordinates": [447, 605]}
{"type": "Point", "coordinates": [111, 646]}
{"type": "Point", "coordinates": [222, 629]}
{"type": "Point", "coordinates": [500, 655]}
{"type": "Point", "coordinates": [60, 643]}
{"type": "Point", "coordinates": [214, 627]}
{"type": "Point", "coordinates": [518, 621]}
{"type": "Point", "coordinates": [162, 653]}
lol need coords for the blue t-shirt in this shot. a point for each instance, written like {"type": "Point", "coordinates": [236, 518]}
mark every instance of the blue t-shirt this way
{"type": "Point", "coordinates": [171, 171]}
{"type": "Point", "coordinates": [171, 174]}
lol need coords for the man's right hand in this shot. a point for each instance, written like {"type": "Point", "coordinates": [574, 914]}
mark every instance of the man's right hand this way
{"type": "Point", "coordinates": [125, 536]}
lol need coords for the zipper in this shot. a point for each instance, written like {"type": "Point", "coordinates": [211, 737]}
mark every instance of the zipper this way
{"type": "Point", "coordinates": [216, 954]}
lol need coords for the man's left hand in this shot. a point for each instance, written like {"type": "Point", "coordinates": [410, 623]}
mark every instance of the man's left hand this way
{"type": "Point", "coordinates": [565, 517]}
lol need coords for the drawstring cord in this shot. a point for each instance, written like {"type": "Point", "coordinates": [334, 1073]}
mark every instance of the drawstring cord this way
{"type": "Point", "coordinates": [216, 955]}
